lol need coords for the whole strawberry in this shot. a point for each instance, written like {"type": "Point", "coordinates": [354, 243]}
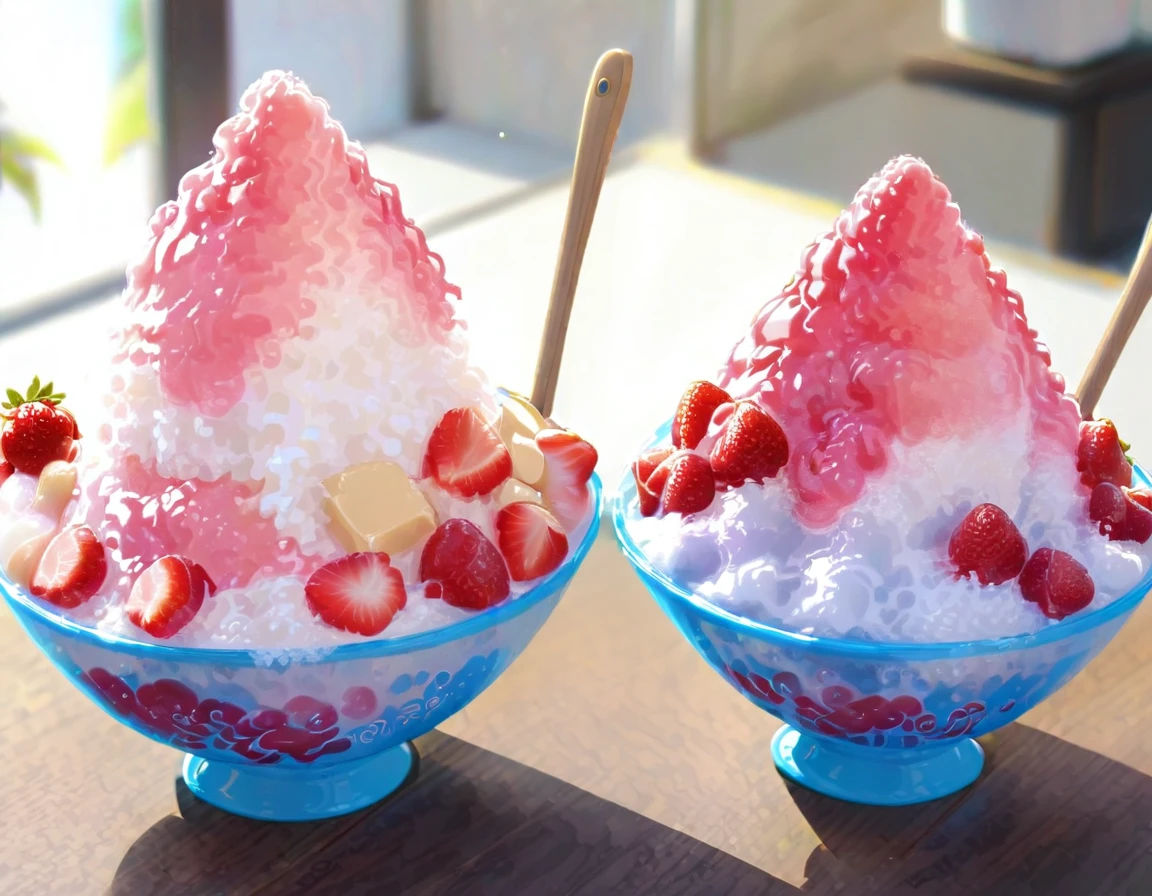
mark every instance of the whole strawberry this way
{"type": "Point", "coordinates": [753, 447]}
{"type": "Point", "coordinates": [37, 430]}
{"type": "Point", "coordinates": [988, 544]}
{"type": "Point", "coordinates": [690, 485]}
{"type": "Point", "coordinates": [1100, 455]}
{"type": "Point", "coordinates": [1057, 583]}
{"type": "Point", "coordinates": [695, 411]}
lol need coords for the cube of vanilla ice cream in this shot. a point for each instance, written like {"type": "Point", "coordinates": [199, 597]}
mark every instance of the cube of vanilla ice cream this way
{"type": "Point", "coordinates": [375, 507]}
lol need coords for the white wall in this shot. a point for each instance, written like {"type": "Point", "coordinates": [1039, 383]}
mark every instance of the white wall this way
{"type": "Point", "coordinates": [522, 66]}
{"type": "Point", "coordinates": [354, 53]}
{"type": "Point", "coordinates": [1143, 19]}
{"type": "Point", "coordinates": [765, 60]}
{"type": "Point", "coordinates": [1000, 161]}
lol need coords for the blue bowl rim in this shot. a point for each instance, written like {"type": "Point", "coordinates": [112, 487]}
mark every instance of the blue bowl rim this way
{"type": "Point", "coordinates": [232, 656]}
{"type": "Point", "coordinates": [921, 650]}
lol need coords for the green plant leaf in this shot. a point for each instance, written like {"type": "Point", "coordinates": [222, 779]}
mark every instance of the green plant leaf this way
{"type": "Point", "coordinates": [15, 397]}
{"type": "Point", "coordinates": [34, 389]}
{"type": "Point", "coordinates": [46, 390]}
{"type": "Point", "coordinates": [22, 178]}
{"type": "Point", "coordinates": [27, 147]}
{"type": "Point", "coordinates": [128, 121]}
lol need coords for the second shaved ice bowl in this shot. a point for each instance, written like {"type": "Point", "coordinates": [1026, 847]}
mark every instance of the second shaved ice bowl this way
{"type": "Point", "coordinates": [884, 521]}
{"type": "Point", "coordinates": [881, 723]}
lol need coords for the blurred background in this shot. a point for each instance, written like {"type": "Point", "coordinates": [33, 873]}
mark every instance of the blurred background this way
{"type": "Point", "coordinates": [750, 123]}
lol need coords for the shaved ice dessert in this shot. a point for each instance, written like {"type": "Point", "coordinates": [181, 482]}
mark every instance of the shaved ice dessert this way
{"type": "Point", "coordinates": [887, 454]}
{"type": "Point", "coordinates": [294, 450]}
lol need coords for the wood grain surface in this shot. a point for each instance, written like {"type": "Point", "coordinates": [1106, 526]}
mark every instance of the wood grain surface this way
{"type": "Point", "coordinates": [608, 759]}
{"type": "Point", "coordinates": [476, 823]}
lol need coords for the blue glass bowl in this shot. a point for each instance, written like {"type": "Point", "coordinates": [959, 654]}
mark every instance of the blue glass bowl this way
{"type": "Point", "coordinates": [305, 737]}
{"type": "Point", "coordinates": [873, 722]}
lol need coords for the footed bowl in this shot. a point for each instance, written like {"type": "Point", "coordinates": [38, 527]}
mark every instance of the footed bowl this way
{"type": "Point", "coordinates": [303, 736]}
{"type": "Point", "coordinates": [879, 723]}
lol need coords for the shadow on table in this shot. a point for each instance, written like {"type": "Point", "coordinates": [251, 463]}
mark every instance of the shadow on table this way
{"type": "Point", "coordinates": [473, 822]}
{"type": "Point", "coordinates": [1046, 817]}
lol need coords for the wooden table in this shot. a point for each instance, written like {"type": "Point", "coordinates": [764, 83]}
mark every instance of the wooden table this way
{"type": "Point", "coordinates": [608, 759]}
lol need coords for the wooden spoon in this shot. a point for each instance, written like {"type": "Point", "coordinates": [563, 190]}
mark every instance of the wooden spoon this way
{"type": "Point", "coordinates": [1133, 301]}
{"type": "Point", "coordinates": [603, 109]}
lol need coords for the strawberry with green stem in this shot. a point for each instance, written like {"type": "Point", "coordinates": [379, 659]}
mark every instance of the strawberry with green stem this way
{"type": "Point", "coordinates": [1102, 456]}
{"type": "Point", "coordinates": [37, 430]}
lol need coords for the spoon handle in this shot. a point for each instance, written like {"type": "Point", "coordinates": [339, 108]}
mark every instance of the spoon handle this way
{"type": "Point", "coordinates": [1132, 303]}
{"type": "Point", "coordinates": [603, 109]}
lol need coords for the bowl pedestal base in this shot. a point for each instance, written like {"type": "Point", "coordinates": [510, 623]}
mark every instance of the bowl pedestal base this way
{"type": "Point", "coordinates": [876, 776]}
{"type": "Point", "coordinates": [299, 792]}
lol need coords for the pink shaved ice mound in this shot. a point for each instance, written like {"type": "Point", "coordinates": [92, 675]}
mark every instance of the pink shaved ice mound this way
{"type": "Point", "coordinates": [259, 233]}
{"type": "Point", "coordinates": [272, 456]}
{"type": "Point", "coordinates": [146, 517]}
{"type": "Point", "coordinates": [910, 388]}
{"type": "Point", "coordinates": [285, 323]}
{"type": "Point", "coordinates": [895, 328]}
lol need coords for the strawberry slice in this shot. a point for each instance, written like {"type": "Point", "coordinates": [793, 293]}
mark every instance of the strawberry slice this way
{"type": "Point", "coordinates": [531, 539]}
{"type": "Point", "coordinates": [1120, 513]}
{"type": "Point", "coordinates": [752, 447]}
{"type": "Point", "coordinates": [465, 455]}
{"type": "Point", "coordinates": [694, 413]}
{"type": "Point", "coordinates": [1137, 523]}
{"type": "Point", "coordinates": [690, 486]}
{"type": "Point", "coordinates": [1057, 583]}
{"type": "Point", "coordinates": [166, 597]}
{"type": "Point", "coordinates": [653, 489]}
{"type": "Point", "coordinates": [467, 565]}
{"type": "Point", "coordinates": [201, 579]}
{"type": "Point", "coordinates": [642, 469]}
{"type": "Point", "coordinates": [1100, 455]}
{"type": "Point", "coordinates": [359, 593]}
{"type": "Point", "coordinates": [646, 463]}
{"type": "Point", "coordinates": [1142, 496]}
{"type": "Point", "coordinates": [6, 470]}
{"type": "Point", "coordinates": [988, 544]}
{"type": "Point", "coordinates": [72, 568]}
{"type": "Point", "coordinates": [569, 462]}
{"type": "Point", "coordinates": [1108, 507]}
